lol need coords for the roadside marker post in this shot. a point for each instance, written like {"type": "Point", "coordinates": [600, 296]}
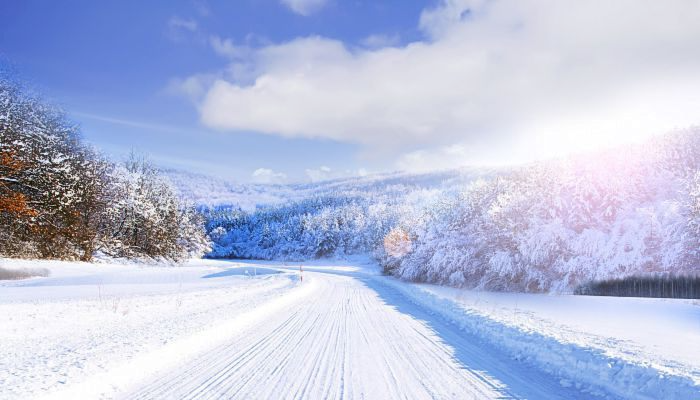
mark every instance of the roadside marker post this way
{"type": "Point", "coordinates": [301, 274]}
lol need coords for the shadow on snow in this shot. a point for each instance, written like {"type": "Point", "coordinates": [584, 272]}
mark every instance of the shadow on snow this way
{"type": "Point", "coordinates": [511, 378]}
{"type": "Point", "coordinates": [245, 271]}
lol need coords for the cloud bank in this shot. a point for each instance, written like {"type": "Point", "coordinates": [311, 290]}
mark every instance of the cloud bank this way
{"type": "Point", "coordinates": [498, 79]}
{"type": "Point", "coordinates": [268, 176]}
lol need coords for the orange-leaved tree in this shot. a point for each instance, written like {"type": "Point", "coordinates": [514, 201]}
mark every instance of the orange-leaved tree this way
{"type": "Point", "coordinates": [12, 200]}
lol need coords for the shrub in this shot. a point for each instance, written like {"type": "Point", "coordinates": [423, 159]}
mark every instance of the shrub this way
{"type": "Point", "coordinates": [22, 273]}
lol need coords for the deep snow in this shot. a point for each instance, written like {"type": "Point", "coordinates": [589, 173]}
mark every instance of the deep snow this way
{"type": "Point", "coordinates": [209, 328]}
{"type": "Point", "coordinates": [661, 332]}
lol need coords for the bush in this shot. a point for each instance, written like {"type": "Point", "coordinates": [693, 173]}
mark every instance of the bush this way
{"type": "Point", "coordinates": [22, 273]}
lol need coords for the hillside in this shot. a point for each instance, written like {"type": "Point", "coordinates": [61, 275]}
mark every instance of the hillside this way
{"type": "Point", "coordinates": [547, 226]}
{"type": "Point", "coordinates": [205, 190]}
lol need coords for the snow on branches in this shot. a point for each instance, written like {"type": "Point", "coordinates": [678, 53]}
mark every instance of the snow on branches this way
{"type": "Point", "coordinates": [548, 226]}
{"type": "Point", "coordinates": [61, 199]}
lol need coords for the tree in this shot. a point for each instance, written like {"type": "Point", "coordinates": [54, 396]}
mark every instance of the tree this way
{"type": "Point", "coordinates": [59, 198]}
{"type": "Point", "coordinates": [12, 202]}
{"type": "Point", "coordinates": [145, 217]}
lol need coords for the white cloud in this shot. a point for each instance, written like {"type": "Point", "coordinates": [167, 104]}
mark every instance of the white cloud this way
{"type": "Point", "coordinates": [325, 173]}
{"type": "Point", "coordinates": [304, 7]}
{"type": "Point", "coordinates": [193, 87]}
{"type": "Point", "coordinates": [378, 41]}
{"type": "Point", "coordinates": [321, 174]}
{"type": "Point", "coordinates": [133, 123]}
{"type": "Point", "coordinates": [443, 157]}
{"type": "Point", "coordinates": [183, 29]}
{"type": "Point", "coordinates": [182, 23]}
{"type": "Point", "coordinates": [268, 176]}
{"type": "Point", "coordinates": [505, 79]}
{"type": "Point", "coordinates": [226, 48]}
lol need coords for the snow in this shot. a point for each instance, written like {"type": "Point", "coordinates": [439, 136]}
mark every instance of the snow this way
{"type": "Point", "coordinates": [209, 329]}
{"type": "Point", "coordinates": [86, 319]}
{"type": "Point", "coordinates": [353, 338]}
{"type": "Point", "coordinates": [634, 348]}
{"type": "Point", "coordinates": [630, 328]}
{"type": "Point", "coordinates": [207, 190]}
{"type": "Point", "coordinates": [553, 226]}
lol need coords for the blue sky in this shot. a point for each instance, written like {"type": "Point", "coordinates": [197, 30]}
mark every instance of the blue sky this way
{"type": "Point", "coordinates": [293, 90]}
{"type": "Point", "coordinates": [110, 63]}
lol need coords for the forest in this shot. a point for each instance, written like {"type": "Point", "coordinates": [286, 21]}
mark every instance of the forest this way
{"type": "Point", "coordinates": [61, 199]}
{"type": "Point", "coordinates": [546, 226]}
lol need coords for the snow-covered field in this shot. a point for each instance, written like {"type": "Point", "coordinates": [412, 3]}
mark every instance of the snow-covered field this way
{"type": "Point", "coordinates": [87, 319]}
{"type": "Point", "coordinates": [660, 332]}
{"type": "Point", "coordinates": [212, 329]}
{"type": "Point", "coordinates": [632, 347]}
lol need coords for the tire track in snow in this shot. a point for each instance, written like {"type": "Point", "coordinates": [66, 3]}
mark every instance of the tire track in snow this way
{"type": "Point", "coordinates": [353, 338]}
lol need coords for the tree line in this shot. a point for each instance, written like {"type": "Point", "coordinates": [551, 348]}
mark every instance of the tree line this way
{"type": "Point", "coordinates": [62, 199]}
{"type": "Point", "coordinates": [325, 226]}
{"type": "Point", "coordinates": [547, 226]}
{"type": "Point", "coordinates": [663, 286]}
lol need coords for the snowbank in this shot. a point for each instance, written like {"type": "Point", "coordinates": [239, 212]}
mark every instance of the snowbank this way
{"type": "Point", "coordinates": [593, 369]}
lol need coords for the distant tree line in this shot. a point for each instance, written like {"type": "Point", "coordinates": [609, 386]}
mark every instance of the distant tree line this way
{"type": "Point", "coordinates": [59, 198]}
{"type": "Point", "coordinates": [666, 286]}
{"type": "Point", "coordinates": [547, 226]}
{"type": "Point", "coordinates": [325, 226]}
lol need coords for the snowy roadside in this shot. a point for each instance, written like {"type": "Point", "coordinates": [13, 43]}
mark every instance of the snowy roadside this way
{"type": "Point", "coordinates": [87, 320]}
{"type": "Point", "coordinates": [95, 330]}
{"type": "Point", "coordinates": [633, 348]}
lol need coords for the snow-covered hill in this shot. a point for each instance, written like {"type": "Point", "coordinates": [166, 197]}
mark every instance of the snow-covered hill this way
{"type": "Point", "coordinates": [547, 226]}
{"type": "Point", "coordinates": [207, 190]}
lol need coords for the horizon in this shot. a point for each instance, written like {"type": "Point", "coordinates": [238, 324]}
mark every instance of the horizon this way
{"type": "Point", "coordinates": [297, 91]}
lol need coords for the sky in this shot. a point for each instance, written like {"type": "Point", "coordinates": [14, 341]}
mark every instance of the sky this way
{"type": "Point", "coordinates": [275, 91]}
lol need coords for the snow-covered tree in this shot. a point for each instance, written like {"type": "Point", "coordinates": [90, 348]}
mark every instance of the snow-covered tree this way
{"type": "Point", "coordinates": [48, 169]}
{"type": "Point", "coordinates": [550, 225]}
{"type": "Point", "coordinates": [59, 198]}
{"type": "Point", "coordinates": [146, 218]}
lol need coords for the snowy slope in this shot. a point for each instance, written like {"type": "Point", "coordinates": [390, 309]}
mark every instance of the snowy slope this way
{"type": "Point", "coordinates": [211, 191]}
{"type": "Point", "coordinates": [207, 190]}
{"type": "Point", "coordinates": [551, 226]}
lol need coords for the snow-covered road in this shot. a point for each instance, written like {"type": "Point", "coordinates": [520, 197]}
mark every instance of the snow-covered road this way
{"type": "Point", "coordinates": [252, 330]}
{"type": "Point", "coordinates": [350, 336]}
